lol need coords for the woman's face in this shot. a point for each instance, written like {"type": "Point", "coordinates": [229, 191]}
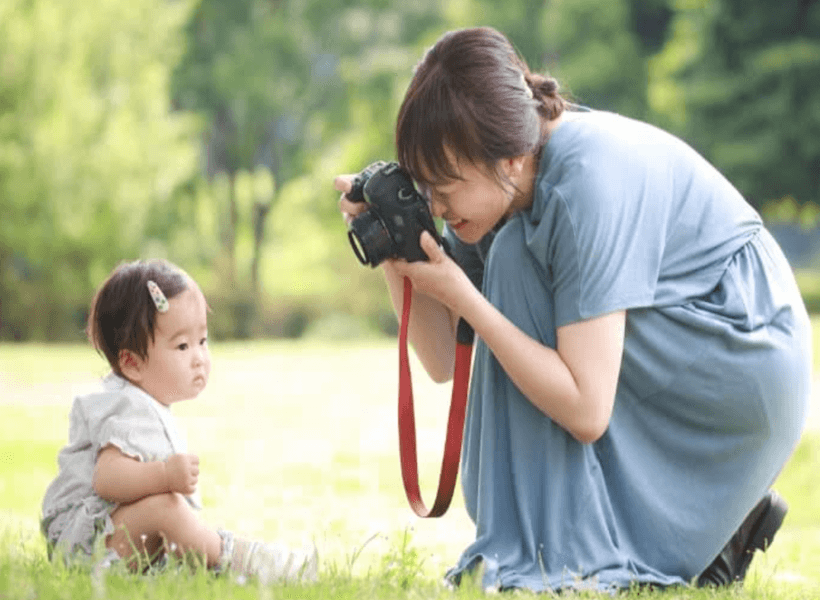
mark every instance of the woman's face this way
{"type": "Point", "coordinates": [473, 204]}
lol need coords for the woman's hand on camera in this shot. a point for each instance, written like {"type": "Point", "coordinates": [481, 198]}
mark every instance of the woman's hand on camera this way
{"type": "Point", "coordinates": [439, 277]}
{"type": "Point", "coordinates": [348, 208]}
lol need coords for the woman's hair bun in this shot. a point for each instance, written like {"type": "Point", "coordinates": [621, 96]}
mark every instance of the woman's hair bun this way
{"type": "Point", "coordinates": [545, 89]}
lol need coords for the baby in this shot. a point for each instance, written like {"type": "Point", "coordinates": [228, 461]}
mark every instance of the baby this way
{"type": "Point", "coordinates": [126, 485]}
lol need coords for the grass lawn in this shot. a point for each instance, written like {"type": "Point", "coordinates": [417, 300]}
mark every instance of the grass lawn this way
{"type": "Point", "coordinates": [299, 440]}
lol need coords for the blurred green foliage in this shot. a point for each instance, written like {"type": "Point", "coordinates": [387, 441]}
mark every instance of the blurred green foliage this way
{"type": "Point", "coordinates": [209, 132]}
{"type": "Point", "coordinates": [740, 81]}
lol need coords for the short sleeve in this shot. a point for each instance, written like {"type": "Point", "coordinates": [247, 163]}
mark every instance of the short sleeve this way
{"type": "Point", "coordinates": [131, 425]}
{"type": "Point", "coordinates": [117, 431]}
{"type": "Point", "coordinates": [626, 215]}
{"type": "Point", "coordinates": [602, 243]}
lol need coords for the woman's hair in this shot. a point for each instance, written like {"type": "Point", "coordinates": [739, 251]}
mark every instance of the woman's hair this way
{"type": "Point", "coordinates": [472, 94]}
{"type": "Point", "coordinates": [123, 315]}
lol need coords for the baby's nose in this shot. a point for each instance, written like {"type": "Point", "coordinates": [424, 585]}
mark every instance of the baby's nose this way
{"type": "Point", "coordinates": [199, 355]}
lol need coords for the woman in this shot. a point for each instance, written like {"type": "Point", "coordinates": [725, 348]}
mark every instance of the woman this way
{"type": "Point", "coordinates": [643, 364]}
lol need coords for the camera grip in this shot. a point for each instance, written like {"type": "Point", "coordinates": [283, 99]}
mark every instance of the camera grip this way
{"type": "Point", "coordinates": [356, 193]}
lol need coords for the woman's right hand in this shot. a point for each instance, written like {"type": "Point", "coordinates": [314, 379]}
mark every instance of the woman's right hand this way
{"type": "Point", "coordinates": [429, 317]}
{"type": "Point", "coordinates": [348, 208]}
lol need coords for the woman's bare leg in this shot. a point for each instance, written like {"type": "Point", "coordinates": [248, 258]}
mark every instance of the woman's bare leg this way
{"type": "Point", "coordinates": [163, 520]}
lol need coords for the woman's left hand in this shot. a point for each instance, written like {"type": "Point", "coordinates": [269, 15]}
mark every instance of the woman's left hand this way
{"type": "Point", "coordinates": [439, 277]}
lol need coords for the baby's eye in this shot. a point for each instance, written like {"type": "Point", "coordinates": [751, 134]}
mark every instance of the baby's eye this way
{"type": "Point", "coordinates": [183, 346]}
{"type": "Point", "coordinates": [203, 341]}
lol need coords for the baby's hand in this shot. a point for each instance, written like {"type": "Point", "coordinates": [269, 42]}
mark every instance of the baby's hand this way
{"type": "Point", "coordinates": [182, 473]}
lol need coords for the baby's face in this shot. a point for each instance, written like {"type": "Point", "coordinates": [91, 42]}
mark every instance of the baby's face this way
{"type": "Point", "coordinates": [179, 361]}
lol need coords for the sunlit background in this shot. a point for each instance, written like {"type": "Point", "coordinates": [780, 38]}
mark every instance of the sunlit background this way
{"type": "Point", "coordinates": [209, 132]}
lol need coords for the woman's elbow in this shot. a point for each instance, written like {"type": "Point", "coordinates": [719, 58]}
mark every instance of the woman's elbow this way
{"type": "Point", "coordinates": [439, 371]}
{"type": "Point", "coordinates": [588, 435]}
{"type": "Point", "coordinates": [590, 430]}
{"type": "Point", "coordinates": [440, 376]}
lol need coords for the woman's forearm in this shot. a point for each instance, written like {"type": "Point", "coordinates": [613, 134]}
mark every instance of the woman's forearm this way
{"type": "Point", "coordinates": [431, 330]}
{"type": "Point", "coordinates": [574, 384]}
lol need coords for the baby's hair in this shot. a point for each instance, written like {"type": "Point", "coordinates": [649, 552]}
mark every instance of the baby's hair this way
{"type": "Point", "coordinates": [123, 315]}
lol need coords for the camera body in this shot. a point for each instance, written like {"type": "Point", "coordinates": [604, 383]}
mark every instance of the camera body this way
{"type": "Point", "coordinates": [398, 214]}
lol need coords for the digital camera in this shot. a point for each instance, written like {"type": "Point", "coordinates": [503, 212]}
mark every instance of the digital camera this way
{"type": "Point", "coordinates": [398, 213]}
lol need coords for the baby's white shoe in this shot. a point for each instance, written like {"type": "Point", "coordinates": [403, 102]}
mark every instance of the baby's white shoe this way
{"type": "Point", "coordinates": [269, 562]}
{"type": "Point", "coordinates": [272, 562]}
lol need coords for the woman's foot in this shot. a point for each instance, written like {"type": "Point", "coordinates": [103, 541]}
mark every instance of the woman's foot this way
{"type": "Point", "coordinates": [755, 533]}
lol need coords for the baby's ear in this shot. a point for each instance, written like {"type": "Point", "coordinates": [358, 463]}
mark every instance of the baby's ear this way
{"type": "Point", "coordinates": [130, 365]}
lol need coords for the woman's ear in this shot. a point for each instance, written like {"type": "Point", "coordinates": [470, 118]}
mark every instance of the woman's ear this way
{"type": "Point", "coordinates": [515, 167]}
{"type": "Point", "coordinates": [130, 365]}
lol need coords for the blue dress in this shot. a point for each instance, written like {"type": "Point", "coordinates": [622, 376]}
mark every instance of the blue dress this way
{"type": "Point", "coordinates": [714, 383]}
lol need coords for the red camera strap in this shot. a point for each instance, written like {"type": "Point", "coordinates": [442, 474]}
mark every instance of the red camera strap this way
{"type": "Point", "coordinates": [407, 423]}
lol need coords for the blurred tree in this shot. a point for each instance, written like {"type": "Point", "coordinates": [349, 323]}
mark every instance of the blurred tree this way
{"type": "Point", "coordinates": [597, 50]}
{"type": "Point", "coordinates": [596, 55]}
{"type": "Point", "coordinates": [650, 20]}
{"type": "Point", "coordinates": [272, 99]}
{"type": "Point", "coordinates": [227, 74]}
{"type": "Point", "coordinates": [741, 81]}
{"type": "Point", "coordinates": [88, 150]}
{"type": "Point", "coordinates": [283, 87]}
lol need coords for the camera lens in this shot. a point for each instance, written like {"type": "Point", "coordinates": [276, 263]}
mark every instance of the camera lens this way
{"type": "Point", "coordinates": [360, 252]}
{"type": "Point", "coordinates": [370, 239]}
